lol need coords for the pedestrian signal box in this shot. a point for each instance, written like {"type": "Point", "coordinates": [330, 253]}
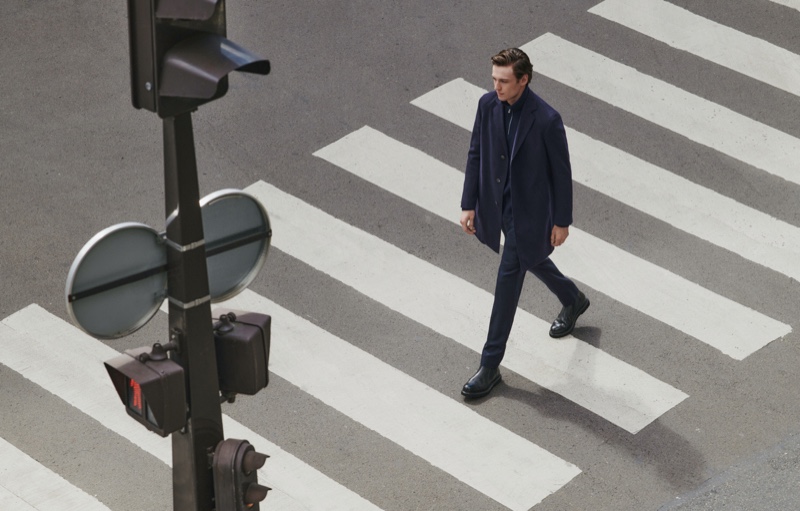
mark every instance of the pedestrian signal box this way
{"type": "Point", "coordinates": [152, 387]}
{"type": "Point", "coordinates": [242, 341]}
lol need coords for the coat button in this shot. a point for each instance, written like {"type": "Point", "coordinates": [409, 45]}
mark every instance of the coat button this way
{"type": "Point", "coordinates": [502, 156]}
{"type": "Point", "coordinates": [498, 179]}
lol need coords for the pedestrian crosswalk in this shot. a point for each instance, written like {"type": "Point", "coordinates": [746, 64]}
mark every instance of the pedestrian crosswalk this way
{"type": "Point", "coordinates": [407, 412]}
{"type": "Point", "coordinates": [457, 309]}
{"type": "Point", "coordinates": [730, 327]}
{"type": "Point", "coordinates": [667, 197]}
{"type": "Point", "coordinates": [26, 485]}
{"type": "Point", "coordinates": [666, 105]}
{"type": "Point", "coordinates": [66, 362]}
{"type": "Point", "coordinates": [402, 409]}
{"type": "Point", "coordinates": [707, 39]}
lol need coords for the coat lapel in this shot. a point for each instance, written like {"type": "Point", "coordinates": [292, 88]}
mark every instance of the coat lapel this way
{"type": "Point", "coordinates": [498, 135]}
{"type": "Point", "coordinates": [525, 121]}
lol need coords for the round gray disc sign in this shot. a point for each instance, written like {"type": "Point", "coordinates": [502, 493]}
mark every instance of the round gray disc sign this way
{"type": "Point", "coordinates": [118, 280]}
{"type": "Point", "coordinates": [237, 236]}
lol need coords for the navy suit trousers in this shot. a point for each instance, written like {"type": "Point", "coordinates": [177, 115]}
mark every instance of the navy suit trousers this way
{"type": "Point", "coordinates": [510, 277]}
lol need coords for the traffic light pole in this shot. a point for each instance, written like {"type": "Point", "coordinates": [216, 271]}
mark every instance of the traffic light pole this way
{"type": "Point", "coordinates": [190, 321]}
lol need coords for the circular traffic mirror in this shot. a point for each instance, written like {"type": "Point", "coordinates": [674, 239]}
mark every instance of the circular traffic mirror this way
{"type": "Point", "coordinates": [237, 236]}
{"type": "Point", "coordinates": [118, 280]}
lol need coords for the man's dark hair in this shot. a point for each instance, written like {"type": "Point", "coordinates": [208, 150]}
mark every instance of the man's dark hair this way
{"type": "Point", "coordinates": [517, 58]}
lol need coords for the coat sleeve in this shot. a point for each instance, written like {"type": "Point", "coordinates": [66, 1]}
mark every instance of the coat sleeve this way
{"type": "Point", "coordinates": [469, 195]}
{"type": "Point", "coordinates": [561, 172]}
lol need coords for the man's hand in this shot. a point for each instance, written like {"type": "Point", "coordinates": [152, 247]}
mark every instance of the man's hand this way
{"type": "Point", "coordinates": [559, 235]}
{"type": "Point", "coordinates": [468, 221]}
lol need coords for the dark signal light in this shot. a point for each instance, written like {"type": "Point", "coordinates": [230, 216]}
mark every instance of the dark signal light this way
{"type": "Point", "coordinates": [235, 465]}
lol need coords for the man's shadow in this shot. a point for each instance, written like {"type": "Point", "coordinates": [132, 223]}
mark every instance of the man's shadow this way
{"type": "Point", "coordinates": [676, 460]}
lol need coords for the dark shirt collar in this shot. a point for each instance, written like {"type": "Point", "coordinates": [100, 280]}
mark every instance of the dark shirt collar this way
{"type": "Point", "coordinates": [517, 106]}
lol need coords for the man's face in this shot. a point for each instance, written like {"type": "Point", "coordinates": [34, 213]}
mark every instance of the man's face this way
{"type": "Point", "coordinates": [506, 85]}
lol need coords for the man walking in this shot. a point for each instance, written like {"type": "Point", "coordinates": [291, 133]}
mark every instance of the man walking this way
{"type": "Point", "coordinates": [518, 179]}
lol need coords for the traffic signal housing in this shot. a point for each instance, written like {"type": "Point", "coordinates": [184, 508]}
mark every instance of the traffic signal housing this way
{"type": "Point", "coordinates": [180, 57]}
{"type": "Point", "coordinates": [242, 342]}
{"type": "Point", "coordinates": [152, 387]}
{"type": "Point", "coordinates": [235, 465]}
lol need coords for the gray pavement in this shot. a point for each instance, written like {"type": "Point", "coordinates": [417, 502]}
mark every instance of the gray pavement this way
{"type": "Point", "coordinates": [77, 158]}
{"type": "Point", "coordinates": [768, 482]}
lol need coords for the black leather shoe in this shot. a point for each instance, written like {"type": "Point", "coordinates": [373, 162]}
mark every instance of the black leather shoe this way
{"type": "Point", "coordinates": [481, 383]}
{"type": "Point", "coordinates": [565, 322]}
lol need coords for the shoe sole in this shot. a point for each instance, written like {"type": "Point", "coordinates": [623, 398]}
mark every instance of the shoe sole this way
{"type": "Point", "coordinates": [475, 395]}
{"type": "Point", "coordinates": [583, 309]}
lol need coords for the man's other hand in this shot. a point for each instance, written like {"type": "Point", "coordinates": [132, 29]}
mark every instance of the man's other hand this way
{"type": "Point", "coordinates": [468, 221]}
{"type": "Point", "coordinates": [559, 235]}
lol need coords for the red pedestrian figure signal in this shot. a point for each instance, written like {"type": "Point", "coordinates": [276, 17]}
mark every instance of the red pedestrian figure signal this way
{"type": "Point", "coordinates": [135, 397]}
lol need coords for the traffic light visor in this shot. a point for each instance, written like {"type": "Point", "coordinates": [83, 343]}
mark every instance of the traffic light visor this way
{"type": "Point", "coordinates": [195, 67]}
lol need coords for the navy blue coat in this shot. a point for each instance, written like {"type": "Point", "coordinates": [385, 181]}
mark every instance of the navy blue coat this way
{"type": "Point", "coordinates": [540, 173]}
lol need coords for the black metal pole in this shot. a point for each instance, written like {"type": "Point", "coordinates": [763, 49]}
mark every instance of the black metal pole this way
{"type": "Point", "coordinates": [190, 321]}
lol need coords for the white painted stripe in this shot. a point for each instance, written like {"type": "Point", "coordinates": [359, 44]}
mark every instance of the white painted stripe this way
{"type": "Point", "coordinates": [668, 106]}
{"type": "Point", "coordinates": [614, 390]}
{"type": "Point", "coordinates": [711, 216]}
{"type": "Point", "coordinates": [794, 4]}
{"type": "Point", "coordinates": [718, 219]}
{"type": "Point", "coordinates": [733, 329]}
{"type": "Point", "coordinates": [10, 501]}
{"type": "Point", "coordinates": [455, 101]}
{"type": "Point", "coordinates": [39, 353]}
{"type": "Point", "coordinates": [27, 485]}
{"type": "Point", "coordinates": [440, 430]}
{"type": "Point", "coordinates": [707, 39]}
{"type": "Point", "coordinates": [66, 362]}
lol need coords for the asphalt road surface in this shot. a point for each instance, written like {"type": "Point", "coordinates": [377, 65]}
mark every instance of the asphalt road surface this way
{"type": "Point", "coordinates": [677, 390]}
